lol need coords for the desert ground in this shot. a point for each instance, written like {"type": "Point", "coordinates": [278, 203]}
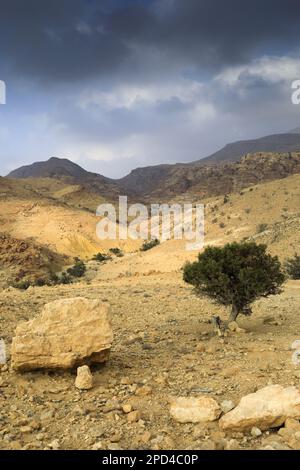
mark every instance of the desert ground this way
{"type": "Point", "coordinates": [164, 344]}
{"type": "Point", "coordinates": [164, 347]}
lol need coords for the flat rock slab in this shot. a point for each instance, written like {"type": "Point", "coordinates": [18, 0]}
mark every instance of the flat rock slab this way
{"type": "Point", "coordinates": [68, 333]}
{"type": "Point", "coordinates": [265, 409]}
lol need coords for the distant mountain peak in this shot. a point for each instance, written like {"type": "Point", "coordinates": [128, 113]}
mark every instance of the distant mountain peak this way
{"type": "Point", "coordinates": [54, 167]}
{"type": "Point", "coordinates": [276, 143]}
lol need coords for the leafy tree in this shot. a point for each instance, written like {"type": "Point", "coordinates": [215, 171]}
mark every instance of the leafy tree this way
{"type": "Point", "coordinates": [235, 275]}
{"type": "Point", "coordinates": [292, 267]}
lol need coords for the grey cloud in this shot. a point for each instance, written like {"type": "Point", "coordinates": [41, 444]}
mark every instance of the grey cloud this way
{"type": "Point", "coordinates": [44, 40]}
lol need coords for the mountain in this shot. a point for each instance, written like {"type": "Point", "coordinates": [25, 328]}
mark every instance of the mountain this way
{"type": "Point", "coordinates": [64, 169]}
{"type": "Point", "coordinates": [200, 181]}
{"type": "Point", "coordinates": [272, 143]}
{"type": "Point", "coordinates": [219, 172]}
{"type": "Point", "coordinates": [53, 168]}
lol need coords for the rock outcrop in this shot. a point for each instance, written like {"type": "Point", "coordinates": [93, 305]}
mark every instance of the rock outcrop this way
{"type": "Point", "coordinates": [194, 410]}
{"type": "Point", "coordinates": [267, 408]}
{"type": "Point", "coordinates": [68, 333]}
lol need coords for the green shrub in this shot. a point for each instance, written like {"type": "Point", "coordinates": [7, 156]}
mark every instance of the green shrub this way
{"type": "Point", "coordinates": [149, 245]}
{"type": "Point", "coordinates": [65, 278]}
{"type": "Point", "coordinates": [54, 279]}
{"type": "Point", "coordinates": [235, 275]}
{"type": "Point", "coordinates": [22, 285]}
{"type": "Point", "coordinates": [292, 267]}
{"type": "Point", "coordinates": [40, 282]}
{"type": "Point", "coordinates": [116, 251]}
{"type": "Point", "coordinates": [78, 270]}
{"type": "Point", "coordinates": [100, 257]}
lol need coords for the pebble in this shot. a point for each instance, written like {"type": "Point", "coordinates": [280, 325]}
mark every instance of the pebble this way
{"type": "Point", "coordinates": [256, 432]}
{"type": "Point", "coordinates": [227, 405]}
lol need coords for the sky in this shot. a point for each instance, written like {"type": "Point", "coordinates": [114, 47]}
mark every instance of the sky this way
{"type": "Point", "coordinates": [118, 84]}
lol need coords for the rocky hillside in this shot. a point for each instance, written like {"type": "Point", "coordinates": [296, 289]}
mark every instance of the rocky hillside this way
{"type": "Point", "coordinates": [24, 260]}
{"type": "Point", "coordinates": [71, 173]}
{"type": "Point", "coordinates": [272, 143]}
{"type": "Point", "coordinates": [201, 181]}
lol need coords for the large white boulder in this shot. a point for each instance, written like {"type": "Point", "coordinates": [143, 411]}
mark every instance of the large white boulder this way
{"type": "Point", "coordinates": [68, 333]}
{"type": "Point", "coordinates": [267, 408]}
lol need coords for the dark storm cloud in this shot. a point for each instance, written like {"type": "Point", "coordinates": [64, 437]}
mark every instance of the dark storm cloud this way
{"type": "Point", "coordinates": [116, 84]}
{"type": "Point", "coordinates": [68, 40]}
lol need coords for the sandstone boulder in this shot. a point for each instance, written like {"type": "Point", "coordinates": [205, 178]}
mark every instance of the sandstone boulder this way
{"type": "Point", "coordinates": [194, 410]}
{"type": "Point", "coordinates": [68, 333]}
{"type": "Point", "coordinates": [267, 408]}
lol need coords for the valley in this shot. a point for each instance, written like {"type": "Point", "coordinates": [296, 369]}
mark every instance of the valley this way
{"type": "Point", "coordinates": [164, 343]}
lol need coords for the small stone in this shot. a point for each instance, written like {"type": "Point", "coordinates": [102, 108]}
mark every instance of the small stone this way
{"type": "Point", "coordinates": [133, 416]}
{"type": "Point", "coordinates": [256, 432]}
{"type": "Point", "coordinates": [125, 381]}
{"type": "Point", "coordinates": [127, 408]}
{"type": "Point", "coordinates": [114, 446]}
{"type": "Point", "coordinates": [232, 444]}
{"type": "Point", "coordinates": [146, 437]}
{"type": "Point", "coordinates": [47, 415]}
{"type": "Point", "coordinates": [26, 429]}
{"type": "Point", "coordinates": [116, 437]}
{"type": "Point", "coordinates": [54, 445]}
{"type": "Point", "coordinates": [84, 379]}
{"type": "Point", "coordinates": [111, 405]}
{"type": "Point", "coordinates": [144, 391]}
{"type": "Point", "coordinates": [227, 405]}
{"type": "Point", "coordinates": [97, 446]}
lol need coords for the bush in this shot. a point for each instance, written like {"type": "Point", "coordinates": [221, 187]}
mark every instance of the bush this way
{"type": "Point", "coordinates": [65, 278]}
{"type": "Point", "coordinates": [78, 270]}
{"type": "Point", "coordinates": [116, 251]}
{"type": "Point", "coordinates": [149, 245]}
{"type": "Point", "coordinates": [261, 228]}
{"type": "Point", "coordinates": [40, 282]}
{"type": "Point", "coordinates": [235, 275]}
{"type": "Point", "coordinates": [292, 267]}
{"type": "Point", "coordinates": [100, 257]}
{"type": "Point", "coordinates": [54, 279]}
{"type": "Point", "coordinates": [22, 285]}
